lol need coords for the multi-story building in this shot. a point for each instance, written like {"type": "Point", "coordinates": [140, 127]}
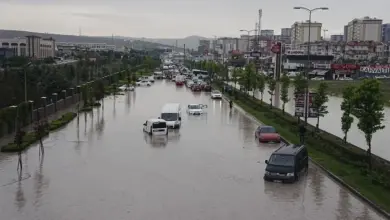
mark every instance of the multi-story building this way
{"type": "Point", "coordinates": [345, 32]}
{"type": "Point", "coordinates": [300, 32]}
{"type": "Point", "coordinates": [386, 33]}
{"type": "Point", "coordinates": [204, 46]}
{"type": "Point", "coordinates": [267, 33]}
{"type": "Point", "coordinates": [337, 37]}
{"type": "Point", "coordinates": [365, 29]}
{"type": "Point", "coordinates": [89, 46]}
{"type": "Point", "coordinates": [286, 32]}
{"type": "Point", "coordinates": [31, 46]}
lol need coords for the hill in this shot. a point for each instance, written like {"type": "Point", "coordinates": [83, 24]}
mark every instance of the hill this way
{"type": "Point", "coordinates": [137, 44]}
{"type": "Point", "coordinates": [191, 42]}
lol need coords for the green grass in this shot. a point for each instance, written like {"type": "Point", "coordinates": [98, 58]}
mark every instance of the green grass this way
{"type": "Point", "coordinates": [374, 186]}
{"type": "Point", "coordinates": [30, 138]}
{"type": "Point", "coordinates": [336, 87]}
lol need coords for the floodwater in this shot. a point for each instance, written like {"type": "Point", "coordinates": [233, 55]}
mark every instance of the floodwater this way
{"type": "Point", "coordinates": [332, 123]}
{"type": "Point", "coordinates": [102, 166]}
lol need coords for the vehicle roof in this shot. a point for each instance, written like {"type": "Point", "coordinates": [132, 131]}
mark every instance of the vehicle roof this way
{"type": "Point", "coordinates": [265, 126]}
{"type": "Point", "coordinates": [291, 149]}
{"type": "Point", "coordinates": [171, 108]}
{"type": "Point", "coordinates": [193, 104]}
{"type": "Point", "coordinates": [216, 91]}
{"type": "Point", "coordinates": [154, 120]}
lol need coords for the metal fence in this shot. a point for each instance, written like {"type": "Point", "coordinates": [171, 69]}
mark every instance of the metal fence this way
{"type": "Point", "coordinates": [44, 111]}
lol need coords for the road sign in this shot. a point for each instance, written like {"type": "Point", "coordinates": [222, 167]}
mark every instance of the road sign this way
{"type": "Point", "coordinates": [300, 106]}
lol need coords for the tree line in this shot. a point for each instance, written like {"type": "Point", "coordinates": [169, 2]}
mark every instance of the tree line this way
{"type": "Point", "coordinates": [364, 102]}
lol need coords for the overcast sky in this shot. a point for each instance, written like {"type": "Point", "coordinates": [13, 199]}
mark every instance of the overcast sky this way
{"type": "Point", "coordinates": [177, 18]}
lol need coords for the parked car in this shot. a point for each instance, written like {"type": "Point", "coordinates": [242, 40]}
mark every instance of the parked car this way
{"type": "Point", "coordinates": [126, 88]}
{"type": "Point", "coordinates": [207, 88]}
{"type": "Point", "coordinates": [196, 88]}
{"type": "Point", "coordinates": [216, 94]}
{"type": "Point", "coordinates": [143, 83]}
{"type": "Point", "coordinates": [287, 164]}
{"type": "Point", "coordinates": [267, 134]}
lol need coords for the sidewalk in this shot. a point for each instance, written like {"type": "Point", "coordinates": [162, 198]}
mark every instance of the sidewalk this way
{"type": "Point", "coordinates": [9, 138]}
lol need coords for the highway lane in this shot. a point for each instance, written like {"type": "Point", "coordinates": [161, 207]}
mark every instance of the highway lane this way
{"type": "Point", "coordinates": [102, 166]}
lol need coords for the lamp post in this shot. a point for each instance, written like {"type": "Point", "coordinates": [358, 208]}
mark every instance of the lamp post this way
{"type": "Point", "coordinates": [248, 32]}
{"type": "Point", "coordinates": [25, 80]}
{"type": "Point", "coordinates": [308, 55]}
{"type": "Point", "coordinates": [325, 30]}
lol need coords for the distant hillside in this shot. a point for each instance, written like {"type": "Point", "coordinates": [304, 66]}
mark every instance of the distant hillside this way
{"type": "Point", "coordinates": [191, 42]}
{"type": "Point", "coordinates": [138, 44]}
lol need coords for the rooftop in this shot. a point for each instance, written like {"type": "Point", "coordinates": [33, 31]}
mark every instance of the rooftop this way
{"type": "Point", "coordinates": [291, 149]}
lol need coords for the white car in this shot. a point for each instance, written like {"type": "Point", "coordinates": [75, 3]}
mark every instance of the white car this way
{"type": "Point", "coordinates": [125, 88]}
{"type": "Point", "coordinates": [215, 94]}
{"type": "Point", "coordinates": [317, 78]}
{"type": "Point", "coordinates": [143, 83]}
{"type": "Point", "coordinates": [195, 109]}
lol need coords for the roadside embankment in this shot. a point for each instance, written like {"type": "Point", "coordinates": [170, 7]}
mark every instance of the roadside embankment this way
{"type": "Point", "coordinates": [31, 137]}
{"type": "Point", "coordinates": [346, 162]}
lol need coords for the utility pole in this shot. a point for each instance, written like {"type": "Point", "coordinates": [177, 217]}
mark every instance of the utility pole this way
{"type": "Point", "coordinates": [184, 61]}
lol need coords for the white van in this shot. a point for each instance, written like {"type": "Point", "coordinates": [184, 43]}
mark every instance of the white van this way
{"type": "Point", "coordinates": [171, 113]}
{"type": "Point", "coordinates": [156, 126]}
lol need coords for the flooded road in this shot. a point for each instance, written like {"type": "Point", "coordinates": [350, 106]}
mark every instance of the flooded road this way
{"type": "Point", "coordinates": [102, 166]}
{"type": "Point", "coordinates": [332, 123]}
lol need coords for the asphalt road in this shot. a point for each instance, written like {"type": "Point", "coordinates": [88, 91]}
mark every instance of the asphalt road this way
{"type": "Point", "coordinates": [102, 166]}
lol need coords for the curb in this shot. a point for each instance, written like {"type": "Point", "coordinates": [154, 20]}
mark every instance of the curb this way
{"type": "Point", "coordinates": [328, 173]}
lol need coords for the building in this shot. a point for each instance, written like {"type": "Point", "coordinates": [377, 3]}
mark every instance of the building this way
{"type": "Point", "coordinates": [286, 32]}
{"type": "Point", "coordinates": [300, 32]}
{"type": "Point", "coordinates": [31, 46]}
{"type": "Point", "coordinates": [365, 29]}
{"type": "Point", "coordinates": [6, 53]}
{"type": "Point", "coordinates": [345, 32]}
{"type": "Point", "coordinates": [337, 37]}
{"type": "Point", "coordinates": [204, 46]}
{"type": "Point", "coordinates": [386, 33]}
{"type": "Point", "coordinates": [267, 33]}
{"type": "Point", "coordinates": [89, 46]}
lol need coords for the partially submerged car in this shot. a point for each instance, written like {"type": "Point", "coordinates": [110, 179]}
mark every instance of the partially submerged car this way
{"type": "Point", "coordinates": [266, 133]}
{"type": "Point", "coordinates": [216, 94]}
{"type": "Point", "coordinates": [195, 109]}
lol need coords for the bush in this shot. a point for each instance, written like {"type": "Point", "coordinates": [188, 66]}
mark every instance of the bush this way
{"type": "Point", "coordinates": [30, 138]}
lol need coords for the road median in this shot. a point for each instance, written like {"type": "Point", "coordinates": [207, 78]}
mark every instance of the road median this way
{"type": "Point", "coordinates": [344, 163]}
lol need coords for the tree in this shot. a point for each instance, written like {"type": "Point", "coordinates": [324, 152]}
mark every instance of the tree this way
{"type": "Point", "coordinates": [261, 85]}
{"type": "Point", "coordinates": [319, 101]}
{"type": "Point", "coordinates": [285, 80]}
{"type": "Point", "coordinates": [347, 107]}
{"type": "Point", "coordinates": [300, 85]}
{"type": "Point", "coordinates": [368, 106]}
{"type": "Point", "coordinates": [271, 89]}
{"type": "Point", "coordinates": [235, 76]}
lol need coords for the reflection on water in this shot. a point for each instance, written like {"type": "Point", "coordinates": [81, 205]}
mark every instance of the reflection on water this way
{"type": "Point", "coordinates": [40, 183]}
{"type": "Point", "coordinates": [247, 127]}
{"type": "Point", "coordinates": [156, 140]}
{"type": "Point", "coordinates": [279, 192]}
{"type": "Point", "coordinates": [344, 205]}
{"type": "Point", "coordinates": [20, 200]}
{"type": "Point", "coordinates": [317, 186]}
{"type": "Point", "coordinates": [100, 124]}
{"type": "Point", "coordinates": [127, 105]}
{"type": "Point", "coordinates": [77, 142]}
{"type": "Point", "coordinates": [114, 108]}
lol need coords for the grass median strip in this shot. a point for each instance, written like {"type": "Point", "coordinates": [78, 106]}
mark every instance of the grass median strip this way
{"type": "Point", "coordinates": [356, 177]}
{"type": "Point", "coordinates": [30, 138]}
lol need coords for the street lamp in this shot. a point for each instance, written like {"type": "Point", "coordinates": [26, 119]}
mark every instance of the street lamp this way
{"type": "Point", "coordinates": [248, 32]}
{"type": "Point", "coordinates": [325, 30]}
{"type": "Point", "coordinates": [25, 80]}
{"type": "Point", "coordinates": [308, 55]}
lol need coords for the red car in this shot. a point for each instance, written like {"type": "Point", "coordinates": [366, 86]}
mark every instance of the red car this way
{"type": "Point", "coordinates": [267, 134]}
{"type": "Point", "coordinates": [179, 83]}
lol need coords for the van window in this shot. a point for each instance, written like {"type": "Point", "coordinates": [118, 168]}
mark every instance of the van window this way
{"type": "Point", "coordinates": [170, 116]}
{"type": "Point", "coordinates": [159, 125]}
{"type": "Point", "coordinates": [281, 160]}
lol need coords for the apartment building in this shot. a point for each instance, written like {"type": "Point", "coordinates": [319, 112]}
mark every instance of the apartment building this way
{"type": "Point", "coordinates": [364, 29]}
{"type": "Point", "coordinates": [386, 33]}
{"type": "Point", "coordinates": [300, 32]}
{"type": "Point", "coordinates": [267, 33]}
{"type": "Point", "coordinates": [31, 46]}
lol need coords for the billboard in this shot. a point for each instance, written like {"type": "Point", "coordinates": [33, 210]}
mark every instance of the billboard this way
{"type": "Point", "coordinates": [300, 105]}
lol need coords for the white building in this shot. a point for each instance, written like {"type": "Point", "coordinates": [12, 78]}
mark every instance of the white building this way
{"type": "Point", "coordinates": [89, 46]}
{"type": "Point", "coordinates": [300, 32]}
{"type": "Point", "coordinates": [267, 33]}
{"type": "Point", "coordinates": [364, 29]}
{"type": "Point", "coordinates": [31, 46]}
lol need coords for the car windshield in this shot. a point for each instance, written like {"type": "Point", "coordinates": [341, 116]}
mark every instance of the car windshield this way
{"type": "Point", "coordinates": [194, 107]}
{"type": "Point", "coordinates": [281, 160]}
{"type": "Point", "coordinates": [267, 130]}
{"type": "Point", "coordinates": [159, 125]}
{"type": "Point", "coordinates": [169, 116]}
{"type": "Point", "coordinates": [215, 91]}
